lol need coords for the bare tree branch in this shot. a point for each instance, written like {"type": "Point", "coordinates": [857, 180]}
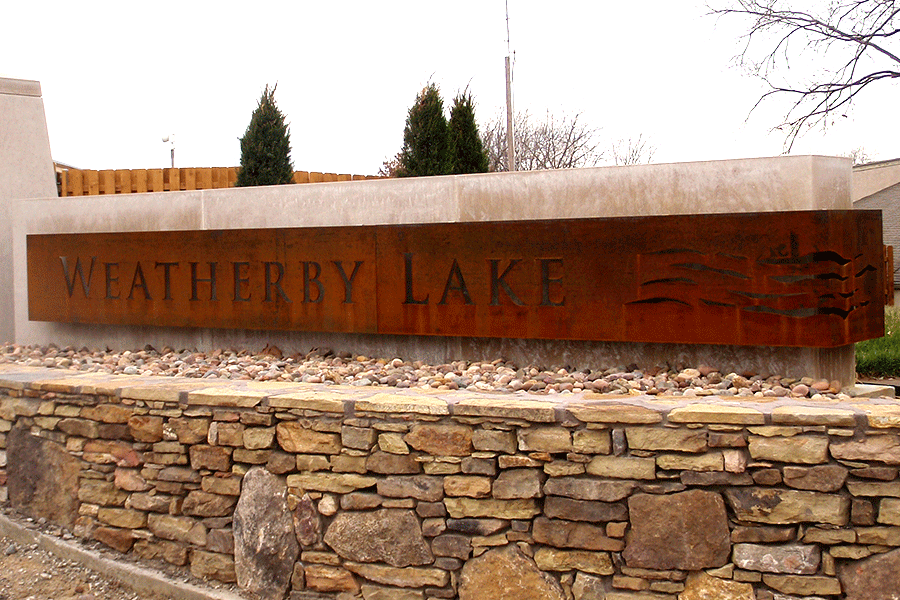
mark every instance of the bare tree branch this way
{"type": "Point", "coordinates": [852, 44]}
{"type": "Point", "coordinates": [554, 143]}
{"type": "Point", "coordinates": [632, 151]}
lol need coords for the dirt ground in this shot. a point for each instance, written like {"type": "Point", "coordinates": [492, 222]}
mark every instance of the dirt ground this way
{"type": "Point", "coordinates": [28, 572]}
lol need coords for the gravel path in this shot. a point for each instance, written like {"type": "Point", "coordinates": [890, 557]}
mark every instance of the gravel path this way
{"type": "Point", "coordinates": [325, 367]}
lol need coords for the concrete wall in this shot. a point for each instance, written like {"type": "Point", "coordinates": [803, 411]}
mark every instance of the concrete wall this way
{"type": "Point", "coordinates": [768, 184]}
{"type": "Point", "coordinates": [332, 491]}
{"type": "Point", "coordinates": [26, 171]}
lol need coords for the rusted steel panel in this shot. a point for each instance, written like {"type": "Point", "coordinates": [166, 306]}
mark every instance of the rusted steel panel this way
{"type": "Point", "coordinates": [293, 279]}
{"type": "Point", "coordinates": [810, 278]}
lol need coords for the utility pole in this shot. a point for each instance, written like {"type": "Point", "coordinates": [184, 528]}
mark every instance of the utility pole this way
{"type": "Point", "coordinates": [171, 140]}
{"type": "Point", "coordinates": [510, 126]}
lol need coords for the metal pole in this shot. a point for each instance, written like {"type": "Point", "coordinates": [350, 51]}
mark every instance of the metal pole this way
{"type": "Point", "coordinates": [510, 127]}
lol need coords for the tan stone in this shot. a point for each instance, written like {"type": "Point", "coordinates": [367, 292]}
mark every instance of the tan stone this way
{"type": "Point", "coordinates": [591, 441]}
{"type": "Point", "coordinates": [372, 592]}
{"type": "Point", "coordinates": [145, 428]}
{"type": "Point", "coordinates": [441, 440]}
{"type": "Point", "coordinates": [122, 517]}
{"type": "Point", "coordinates": [325, 578]}
{"type": "Point", "coordinates": [882, 416]}
{"type": "Point", "coordinates": [716, 413]}
{"type": "Point", "coordinates": [554, 559]}
{"type": "Point", "coordinates": [607, 412]}
{"type": "Point", "coordinates": [562, 468]}
{"type": "Point", "coordinates": [79, 427]}
{"type": "Point", "coordinates": [205, 504]}
{"type": "Point", "coordinates": [293, 437]}
{"type": "Point", "coordinates": [777, 506]}
{"type": "Point", "coordinates": [392, 443]}
{"type": "Point", "coordinates": [471, 486]}
{"type": "Point", "coordinates": [889, 511]}
{"type": "Point", "coordinates": [396, 403]}
{"type": "Point", "coordinates": [535, 411]}
{"type": "Point", "coordinates": [566, 534]}
{"type": "Point", "coordinates": [225, 396]}
{"type": "Point", "coordinates": [695, 526]}
{"type": "Point", "coordinates": [216, 458]}
{"type": "Point", "coordinates": [210, 565]}
{"type": "Point", "coordinates": [130, 480]}
{"type": "Point", "coordinates": [518, 483]}
{"type": "Point", "coordinates": [420, 487]}
{"type": "Point", "coordinates": [711, 461]}
{"type": "Point", "coordinates": [813, 415]}
{"type": "Point", "coordinates": [821, 478]}
{"type": "Point", "coordinates": [545, 439]}
{"type": "Point", "coordinates": [327, 402]}
{"type": "Point", "coordinates": [342, 483]}
{"type": "Point", "coordinates": [494, 440]}
{"type": "Point", "coordinates": [798, 449]}
{"type": "Point", "coordinates": [881, 448]}
{"type": "Point", "coordinates": [622, 467]}
{"type": "Point", "coordinates": [701, 586]}
{"type": "Point", "coordinates": [177, 529]}
{"type": "Point", "coordinates": [588, 489]}
{"type": "Point", "coordinates": [117, 539]}
{"type": "Point", "coordinates": [881, 536]}
{"type": "Point", "coordinates": [407, 577]}
{"type": "Point", "coordinates": [103, 493]}
{"type": "Point", "coordinates": [656, 438]}
{"type": "Point", "coordinates": [225, 434]}
{"type": "Point", "coordinates": [189, 430]}
{"type": "Point", "coordinates": [107, 413]}
{"type": "Point", "coordinates": [228, 486]}
{"type": "Point", "coordinates": [400, 464]}
{"type": "Point", "coordinates": [361, 537]}
{"type": "Point", "coordinates": [460, 508]}
{"type": "Point", "coordinates": [804, 585]}
{"type": "Point", "coordinates": [258, 438]}
{"type": "Point", "coordinates": [874, 488]}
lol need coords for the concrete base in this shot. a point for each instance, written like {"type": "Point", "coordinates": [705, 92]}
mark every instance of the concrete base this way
{"type": "Point", "coordinates": [751, 185]}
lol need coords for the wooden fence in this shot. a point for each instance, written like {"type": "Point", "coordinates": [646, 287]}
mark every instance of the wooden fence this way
{"type": "Point", "coordinates": [85, 182]}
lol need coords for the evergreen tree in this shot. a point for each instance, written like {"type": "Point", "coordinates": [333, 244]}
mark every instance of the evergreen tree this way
{"type": "Point", "coordinates": [469, 155]}
{"type": "Point", "coordinates": [426, 141]}
{"type": "Point", "coordinates": [266, 146]}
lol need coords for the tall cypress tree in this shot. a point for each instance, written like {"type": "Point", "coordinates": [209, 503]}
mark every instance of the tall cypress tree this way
{"type": "Point", "coordinates": [426, 141]}
{"type": "Point", "coordinates": [469, 155]}
{"type": "Point", "coordinates": [266, 146]}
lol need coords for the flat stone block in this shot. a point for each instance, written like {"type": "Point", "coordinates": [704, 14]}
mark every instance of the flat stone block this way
{"type": "Point", "coordinates": [225, 397]}
{"type": "Point", "coordinates": [727, 414]}
{"type": "Point", "coordinates": [528, 410]}
{"type": "Point", "coordinates": [319, 401]}
{"type": "Point", "coordinates": [813, 415]}
{"type": "Point", "coordinates": [396, 403]}
{"type": "Point", "coordinates": [613, 413]}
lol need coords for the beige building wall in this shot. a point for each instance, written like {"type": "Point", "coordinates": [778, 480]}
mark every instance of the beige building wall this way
{"type": "Point", "coordinates": [871, 178]}
{"type": "Point", "coordinates": [26, 171]}
{"type": "Point", "coordinates": [751, 185]}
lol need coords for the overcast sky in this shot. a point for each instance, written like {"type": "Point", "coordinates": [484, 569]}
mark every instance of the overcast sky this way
{"type": "Point", "coordinates": [118, 76]}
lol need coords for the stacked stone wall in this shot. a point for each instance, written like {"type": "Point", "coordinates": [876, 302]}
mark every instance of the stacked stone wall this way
{"type": "Point", "coordinates": [314, 491]}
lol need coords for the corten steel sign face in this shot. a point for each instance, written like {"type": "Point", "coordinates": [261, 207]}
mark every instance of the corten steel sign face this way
{"type": "Point", "coordinates": [809, 278]}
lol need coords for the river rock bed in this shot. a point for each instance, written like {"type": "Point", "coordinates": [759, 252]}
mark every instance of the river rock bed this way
{"type": "Point", "coordinates": [326, 367]}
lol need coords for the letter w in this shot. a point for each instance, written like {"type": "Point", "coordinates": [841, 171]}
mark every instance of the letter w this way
{"type": "Point", "coordinates": [70, 281]}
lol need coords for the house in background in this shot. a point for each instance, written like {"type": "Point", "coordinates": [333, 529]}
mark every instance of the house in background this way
{"type": "Point", "coordinates": [876, 185]}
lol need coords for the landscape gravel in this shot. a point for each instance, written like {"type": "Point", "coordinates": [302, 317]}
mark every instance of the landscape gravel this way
{"type": "Point", "coordinates": [324, 366]}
